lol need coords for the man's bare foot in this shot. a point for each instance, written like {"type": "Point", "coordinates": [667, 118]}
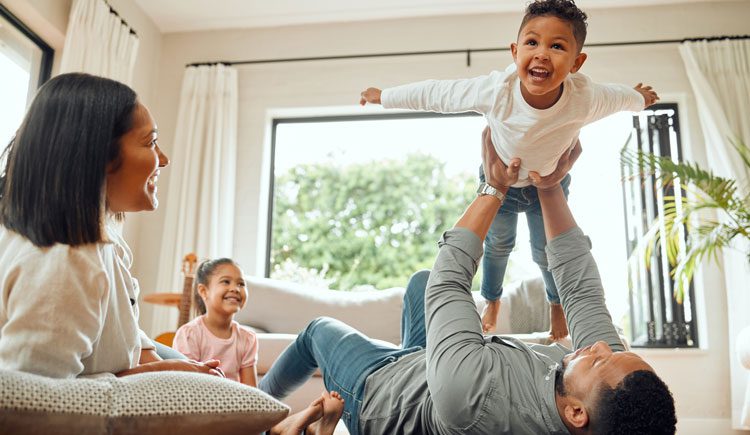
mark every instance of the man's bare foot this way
{"type": "Point", "coordinates": [489, 316]}
{"type": "Point", "coordinates": [333, 407]}
{"type": "Point", "coordinates": [557, 322]}
{"type": "Point", "coordinates": [297, 423]}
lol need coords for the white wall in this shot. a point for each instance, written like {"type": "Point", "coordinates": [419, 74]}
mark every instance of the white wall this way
{"type": "Point", "coordinates": [699, 379]}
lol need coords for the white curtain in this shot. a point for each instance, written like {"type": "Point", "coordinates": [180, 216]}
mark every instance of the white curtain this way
{"type": "Point", "coordinates": [719, 73]}
{"type": "Point", "coordinates": [200, 201]}
{"type": "Point", "coordinates": [98, 42]}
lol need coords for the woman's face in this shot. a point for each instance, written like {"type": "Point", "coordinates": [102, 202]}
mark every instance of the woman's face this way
{"type": "Point", "coordinates": [131, 178]}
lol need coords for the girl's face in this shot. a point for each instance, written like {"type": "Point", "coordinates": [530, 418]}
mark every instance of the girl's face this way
{"type": "Point", "coordinates": [226, 292]}
{"type": "Point", "coordinates": [131, 178]}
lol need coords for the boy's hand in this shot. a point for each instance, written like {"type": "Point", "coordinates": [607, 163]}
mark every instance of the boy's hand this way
{"type": "Point", "coordinates": [369, 95]}
{"type": "Point", "coordinates": [649, 95]}
{"type": "Point", "coordinates": [564, 165]}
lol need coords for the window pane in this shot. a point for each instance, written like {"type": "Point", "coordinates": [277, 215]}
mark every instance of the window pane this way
{"type": "Point", "coordinates": [20, 62]}
{"type": "Point", "coordinates": [426, 169]}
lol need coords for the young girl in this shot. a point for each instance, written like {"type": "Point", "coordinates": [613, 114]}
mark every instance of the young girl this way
{"type": "Point", "coordinates": [220, 292]}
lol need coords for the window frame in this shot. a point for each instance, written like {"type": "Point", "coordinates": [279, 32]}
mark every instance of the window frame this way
{"type": "Point", "coordinates": [670, 333]}
{"type": "Point", "coordinates": [48, 53]}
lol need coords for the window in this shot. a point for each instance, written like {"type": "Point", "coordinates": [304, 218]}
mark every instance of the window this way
{"type": "Point", "coordinates": [657, 318]}
{"type": "Point", "coordinates": [361, 201]}
{"type": "Point", "coordinates": [25, 63]}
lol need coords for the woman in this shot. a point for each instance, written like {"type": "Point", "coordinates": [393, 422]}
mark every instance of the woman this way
{"type": "Point", "coordinates": [86, 152]}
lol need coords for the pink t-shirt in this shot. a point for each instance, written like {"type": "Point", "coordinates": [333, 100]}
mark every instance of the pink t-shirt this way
{"type": "Point", "coordinates": [196, 342]}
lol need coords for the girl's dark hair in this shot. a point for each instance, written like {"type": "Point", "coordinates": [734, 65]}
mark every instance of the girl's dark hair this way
{"type": "Point", "coordinates": [565, 10]}
{"type": "Point", "coordinates": [203, 274]}
{"type": "Point", "coordinates": [52, 189]}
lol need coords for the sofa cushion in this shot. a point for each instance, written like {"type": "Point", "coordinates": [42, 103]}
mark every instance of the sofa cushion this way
{"type": "Point", "coordinates": [287, 308]}
{"type": "Point", "coordinates": [147, 403]}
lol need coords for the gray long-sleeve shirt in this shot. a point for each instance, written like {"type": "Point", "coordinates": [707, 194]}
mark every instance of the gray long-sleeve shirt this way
{"type": "Point", "coordinates": [467, 383]}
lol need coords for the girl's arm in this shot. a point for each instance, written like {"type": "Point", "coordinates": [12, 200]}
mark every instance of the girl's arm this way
{"type": "Point", "coordinates": [249, 376]}
{"type": "Point", "coordinates": [248, 371]}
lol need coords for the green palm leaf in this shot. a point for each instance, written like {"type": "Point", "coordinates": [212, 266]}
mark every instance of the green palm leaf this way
{"type": "Point", "coordinates": [682, 229]}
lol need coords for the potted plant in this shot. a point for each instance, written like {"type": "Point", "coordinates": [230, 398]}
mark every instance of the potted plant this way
{"type": "Point", "coordinates": [706, 191]}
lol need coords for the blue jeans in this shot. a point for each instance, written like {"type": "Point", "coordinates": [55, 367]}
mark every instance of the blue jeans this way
{"type": "Point", "coordinates": [345, 356]}
{"type": "Point", "coordinates": [501, 239]}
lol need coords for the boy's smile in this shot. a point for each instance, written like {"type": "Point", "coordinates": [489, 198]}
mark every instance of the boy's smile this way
{"type": "Point", "coordinates": [546, 52]}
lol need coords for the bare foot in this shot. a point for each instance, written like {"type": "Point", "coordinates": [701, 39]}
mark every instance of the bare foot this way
{"type": "Point", "coordinates": [558, 325]}
{"type": "Point", "coordinates": [333, 407]}
{"type": "Point", "coordinates": [489, 316]}
{"type": "Point", "coordinates": [297, 423]}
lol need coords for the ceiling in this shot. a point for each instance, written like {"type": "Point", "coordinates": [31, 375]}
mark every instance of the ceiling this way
{"type": "Point", "coordinates": [192, 15]}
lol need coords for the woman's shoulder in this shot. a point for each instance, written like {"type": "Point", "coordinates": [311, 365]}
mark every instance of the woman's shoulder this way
{"type": "Point", "coordinates": [19, 251]}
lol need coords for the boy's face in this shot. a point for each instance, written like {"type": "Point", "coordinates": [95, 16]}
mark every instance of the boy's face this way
{"type": "Point", "coordinates": [546, 52]}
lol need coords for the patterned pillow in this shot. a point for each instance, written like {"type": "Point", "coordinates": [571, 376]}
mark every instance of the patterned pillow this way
{"type": "Point", "coordinates": [158, 402]}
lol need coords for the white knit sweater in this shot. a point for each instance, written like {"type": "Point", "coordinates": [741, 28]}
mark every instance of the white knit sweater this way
{"type": "Point", "coordinates": [68, 311]}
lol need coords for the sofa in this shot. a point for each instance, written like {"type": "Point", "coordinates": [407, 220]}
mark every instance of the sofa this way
{"type": "Point", "coordinates": [278, 310]}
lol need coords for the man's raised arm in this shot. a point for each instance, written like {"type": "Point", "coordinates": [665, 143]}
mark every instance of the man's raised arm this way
{"type": "Point", "coordinates": [572, 265]}
{"type": "Point", "coordinates": [456, 350]}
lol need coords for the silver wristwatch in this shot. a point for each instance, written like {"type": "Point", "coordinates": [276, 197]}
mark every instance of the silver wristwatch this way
{"type": "Point", "coordinates": [486, 189]}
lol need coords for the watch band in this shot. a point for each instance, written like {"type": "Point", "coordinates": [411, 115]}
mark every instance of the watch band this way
{"type": "Point", "coordinates": [486, 189]}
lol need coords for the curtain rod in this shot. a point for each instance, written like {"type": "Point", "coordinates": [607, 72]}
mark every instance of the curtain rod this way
{"type": "Point", "coordinates": [467, 51]}
{"type": "Point", "coordinates": [122, 20]}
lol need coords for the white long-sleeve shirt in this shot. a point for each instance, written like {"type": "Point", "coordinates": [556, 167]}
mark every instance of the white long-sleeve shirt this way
{"type": "Point", "coordinates": [539, 137]}
{"type": "Point", "coordinates": [68, 311]}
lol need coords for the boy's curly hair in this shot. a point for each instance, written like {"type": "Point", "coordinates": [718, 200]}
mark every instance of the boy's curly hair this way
{"type": "Point", "coordinates": [565, 10]}
{"type": "Point", "coordinates": [640, 404]}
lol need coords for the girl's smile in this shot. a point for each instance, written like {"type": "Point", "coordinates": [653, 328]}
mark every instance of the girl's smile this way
{"type": "Point", "coordinates": [226, 292]}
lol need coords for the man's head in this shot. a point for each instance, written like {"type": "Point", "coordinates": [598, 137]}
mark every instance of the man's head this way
{"type": "Point", "coordinates": [604, 392]}
{"type": "Point", "coordinates": [548, 48]}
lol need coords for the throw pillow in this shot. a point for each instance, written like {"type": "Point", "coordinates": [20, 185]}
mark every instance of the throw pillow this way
{"type": "Point", "coordinates": [148, 403]}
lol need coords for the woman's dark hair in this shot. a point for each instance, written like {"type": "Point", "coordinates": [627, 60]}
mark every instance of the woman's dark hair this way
{"type": "Point", "coordinates": [565, 10]}
{"type": "Point", "coordinates": [52, 189]}
{"type": "Point", "coordinates": [203, 274]}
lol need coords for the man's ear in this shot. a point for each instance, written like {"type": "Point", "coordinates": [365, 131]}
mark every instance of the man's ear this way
{"type": "Point", "coordinates": [576, 414]}
{"type": "Point", "coordinates": [514, 50]}
{"type": "Point", "coordinates": [580, 59]}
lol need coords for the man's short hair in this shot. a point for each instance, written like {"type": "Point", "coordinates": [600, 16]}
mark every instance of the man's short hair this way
{"type": "Point", "coordinates": [640, 404]}
{"type": "Point", "coordinates": [565, 10]}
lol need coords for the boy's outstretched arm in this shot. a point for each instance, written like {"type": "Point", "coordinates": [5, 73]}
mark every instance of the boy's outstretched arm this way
{"type": "Point", "coordinates": [369, 95]}
{"type": "Point", "coordinates": [649, 94]}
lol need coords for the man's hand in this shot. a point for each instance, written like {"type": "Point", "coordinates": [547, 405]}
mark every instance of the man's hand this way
{"type": "Point", "coordinates": [369, 95]}
{"type": "Point", "coordinates": [498, 175]}
{"type": "Point", "coordinates": [649, 95]}
{"type": "Point", "coordinates": [563, 167]}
